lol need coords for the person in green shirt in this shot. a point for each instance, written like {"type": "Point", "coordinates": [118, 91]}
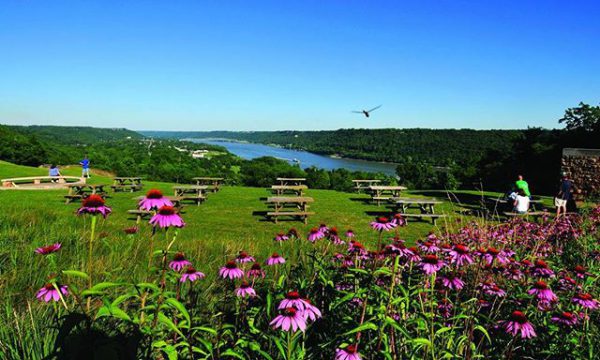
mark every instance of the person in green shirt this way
{"type": "Point", "coordinates": [523, 185]}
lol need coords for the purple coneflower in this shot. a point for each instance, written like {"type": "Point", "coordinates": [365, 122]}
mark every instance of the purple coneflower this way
{"type": "Point", "coordinates": [518, 323]}
{"type": "Point", "coordinates": [452, 282]}
{"type": "Point", "coordinates": [413, 254]}
{"type": "Point", "coordinates": [399, 220]}
{"type": "Point", "coordinates": [256, 271]}
{"type": "Point", "coordinates": [245, 290]}
{"type": "Point", "coordinates": [244, 257]}
{"type": "Point", "coordinates": [445, 308]}
{"type": "Point", "coordinates": [131, 230]}
{"type": "Point", "coordinates": [541, 290]}
{"type": "Point", "coordinates": [333, 236]}
{"type": "Point", "coordinates": [566, 318]}
{"type": "Point", "coordinates": [292, 299]}
{"type": "Point", "coordinates": [49, 292]}
{"type": "Point", "coordinates": [350, 233]}
{"type": "Point", "coordinates": [459, 255]}
{"type": "Point", "coordinates": [428, 247]}
{"type": "Point", "coordinates": [491, 288]}
{"type": "Point", "coordinates": [281, 237]}
{"type": "Point", "coordinates": [46, 250]}
{"type": "Point", "coordinates": [311, 312]}
{"type": "Point", "coordinates": [430, 264]}
{"type": "Point", "coordinates": [275, 259]}
{"type": "Point", "coordinates": [293, 233]}
{"type": "Point", "coordinates": [348, 353]}
{"type": "Point", "coordinates": [94, 204]}
{"type": "Point", "coordinates": [167, 217]}
{"type": "Point", "coordinates": [383, 224]}
{"type": "Point", "coordinates": [289, 319]}
{"type": "Point", "coordinates": [580, 271]}
{"type": "Point", "coordinates": [231, 271]}
{"type": "Point", "coordinates": [323, 228]}
{"type": "Point", "coordinates": [354, 247]}
{"type": "Point", "coordinates": [541, 268]}
{"type": "Point", "coordinates": [191, 274]}
{"type": "Point", "coordinates": [492, 254]}
{"type": "Point", "coordinates": [179, 262]}
{"type": "Point", "coordinates": [315, 234]}
{"type": "Point", "coordinates": [585, 300]}
{"type": "Point", "coordinates": [153, 200]}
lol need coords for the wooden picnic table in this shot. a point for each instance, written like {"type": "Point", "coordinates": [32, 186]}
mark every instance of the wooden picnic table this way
{"type": "Point", "coordinates": [362, 184]}
{"type": "Point", "coordinates": [426, 207]}
{"type": "Point", "coordinates": [181, 190]}
{"type": "Point", "coordinates": [291, 181]}
{"type": "Point", "coordinates": [214, 182]}
{"type": "Point", "coordinates": [282, 189]}
{"type": "Point", "coordinates": [378, 192]}
{"type": "Point", "coordinates": [80, 191]}
{"type": "Point", "coordinates": [131, 183]}
{"type": "Point", "coordinates": [300, 202]}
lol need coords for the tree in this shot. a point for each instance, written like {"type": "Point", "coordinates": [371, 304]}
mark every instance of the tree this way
{"type": "Point", "coordinates": [584, 117]}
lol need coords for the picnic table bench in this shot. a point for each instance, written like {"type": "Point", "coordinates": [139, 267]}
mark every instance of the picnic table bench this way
{"type": "Point", "coordinates": [213, 183]}
{"type": "Point", "coordinates": [291, 181]}
{"type": "Point", "coordinates": [23, 182]}
{"type": "Point", "coordinates": [533, 214]}
{"type": "Point", "coordinates": [381, 193]}
{"type": "Point", "coordinates": [81, 191]}
{"type": "Point", "coordinates": [195, 193]}
{"type": "Point", "coordinates": [124, 183]}
{"type": "Point", "coordinates": [295, 189]}
{"type": "Point", "coordinates": [301, 203]}
{"type": "Point", "coordinates": [364, 184]}
{"type": "Point", "coordinates": [426, 207]}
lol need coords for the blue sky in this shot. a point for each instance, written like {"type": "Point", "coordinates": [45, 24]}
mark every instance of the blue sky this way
{"type": "Point", "coordinates": [268, 65]}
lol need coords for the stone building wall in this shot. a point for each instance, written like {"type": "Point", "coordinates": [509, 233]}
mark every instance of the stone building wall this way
{"type": "Point", "coordinates": [583, 167]}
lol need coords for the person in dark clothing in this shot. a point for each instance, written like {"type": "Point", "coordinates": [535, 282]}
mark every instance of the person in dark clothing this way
{"type": "Point", "coordinates": [564, 195]}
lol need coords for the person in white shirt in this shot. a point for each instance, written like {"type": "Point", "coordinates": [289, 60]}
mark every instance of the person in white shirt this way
{"type": "Point", "coordinates": [521, 204]}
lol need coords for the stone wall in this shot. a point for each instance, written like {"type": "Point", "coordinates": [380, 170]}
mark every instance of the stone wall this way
{"type": "Point", "coordinates": [583, 167]}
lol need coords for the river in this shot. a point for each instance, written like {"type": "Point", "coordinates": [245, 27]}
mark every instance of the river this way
{"type": "Point", "coordinates": [306, 159]}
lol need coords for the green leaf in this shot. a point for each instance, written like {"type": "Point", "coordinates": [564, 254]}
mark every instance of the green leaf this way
{"type": "Point", "coordinates": [169, 323]}
{"type": "Point", "coordinates": [112, 311]}
{"type": "Point", "coordinates": [75, 273]}
{"type": "Point", "coordinates": [232, 353]}
{"type": "Point", "coordinates": [482, 330]}
{"type": "Point", "coordinates": [179, 306]}
{"type": "Point", "coordinates": [363, 327]}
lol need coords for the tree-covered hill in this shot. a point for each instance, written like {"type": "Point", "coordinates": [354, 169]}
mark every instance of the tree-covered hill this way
{"type": "Point", "coordinates": [76, 135]}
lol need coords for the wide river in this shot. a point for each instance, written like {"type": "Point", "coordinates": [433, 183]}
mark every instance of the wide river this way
{"type": "Point", "coordinates": [306, 159]}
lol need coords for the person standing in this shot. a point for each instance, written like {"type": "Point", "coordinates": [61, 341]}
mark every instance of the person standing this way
{"type": "Point", "coordinates": [565, 192]}
{"type": "Point", "coordinates": [522, 185]}
{"type": "Point", "coordinates": [85, 167]}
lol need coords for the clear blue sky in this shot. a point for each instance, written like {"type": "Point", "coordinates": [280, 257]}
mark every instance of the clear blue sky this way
{"type": "Point", "coordinates": [267, 65]}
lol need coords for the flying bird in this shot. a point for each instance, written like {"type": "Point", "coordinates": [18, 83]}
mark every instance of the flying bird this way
{"type": "Point", "coordinates": [367, 112]}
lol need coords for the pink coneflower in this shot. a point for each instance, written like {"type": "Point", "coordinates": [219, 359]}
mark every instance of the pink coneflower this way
{"type": "Point", "coordinates": [518, 323]}
{"type": "Point", "coordinates": [452, 282]}
{"type": "Point", "coordinates": [292, 299]}
{"type": "Point", "coordinates": [333, 236]}
{"type": "Point", "coordinates": [399, 220]}
{"type": "Point", "coordinates": [566, 318]}
{"type": "Point", "coordinates": [131, 230]}
{"type": "Point", "coordinates": [256, 271]}
{"type": "Point", "coordinates": [491, 288]}
{"type": "Point", "coordinates": [293, 233]}
{"type": "Point", "coordinates": [245, 290]}
{"type": "Point", "coordinates": [585, 300]}
{"type": "Point", "coordinates": [289, 319]}
{"type": "Point", "coordinates": [513, 273]}
{"type": "Point", "coordinates": [492, 254]}
{"type": "Point", "coordinates": [94, 204]}
{"type": "Point", "coordinates": [311, 312]}
{"type": "Point", "coordinates": [167, 217]}
{"type": "Point", "coordinates": [541, 290]}
{"type": "Point", "coordinates": [46, 250]}
{"type": "Point", "coordinates": [179, 262]}
{"type": "Point", "coordinates": [350, 233]}
{"type": "Point", "coordinates": [244, 257]}
{"type": "Point", "coordinates": [566, 283]}
{"type": "Point", "coordinates": [315, 234]}
{"type": "Point", "coordinates": [541, 268]}
{"type": "Point", "coordinates": [445, 308]}
{"type": "Point", "coordinates": [281, 237]}
{"type": "Point", "coordinates": [348, 353]}
{"type": "Point", "coordinates": [431, 264]}
{"type": "Point", "coordinates": [413, 254]}
{"type": "Point", "coordinates": [580, 271]}
{"type": "Point", "coordinates": [354, 247]}
{"type": "Point", "coordinates": [49, 292]}
{"type": "Point", "coordinates": [153, 200]}
{"type": "Point", "coordinates": [459, 255]}
{"type": "Point", "coordinates": [191, 274]}
{"type": "Point", "coordinates": [323, 228]}
{"type": "Point", "coordinates": [231, 271]}
{"type": "Point", "coordinates": [383, 224]}
{"type": "Point", "coordinates": [428, 247]}
{"type": "Point", "coordinates": [275, 259]}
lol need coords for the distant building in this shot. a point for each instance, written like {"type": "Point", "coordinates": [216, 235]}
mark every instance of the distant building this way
{"type": "Point", "coordinates": [199, 154]}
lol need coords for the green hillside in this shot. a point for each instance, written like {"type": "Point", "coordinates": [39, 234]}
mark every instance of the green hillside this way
{"type": "Point", "coordinates": [76, 135]}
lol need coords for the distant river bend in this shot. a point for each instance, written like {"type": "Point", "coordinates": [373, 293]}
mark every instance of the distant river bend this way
{"type": "Point", "coordinates": [306, 159]}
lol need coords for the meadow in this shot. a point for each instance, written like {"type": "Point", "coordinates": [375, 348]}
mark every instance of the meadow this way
{"type": "Point", "coordinates": [124, 300]}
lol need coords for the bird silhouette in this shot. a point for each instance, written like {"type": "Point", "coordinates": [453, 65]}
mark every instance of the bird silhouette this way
{"type": "Point", "coordinates": [366, 113]}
